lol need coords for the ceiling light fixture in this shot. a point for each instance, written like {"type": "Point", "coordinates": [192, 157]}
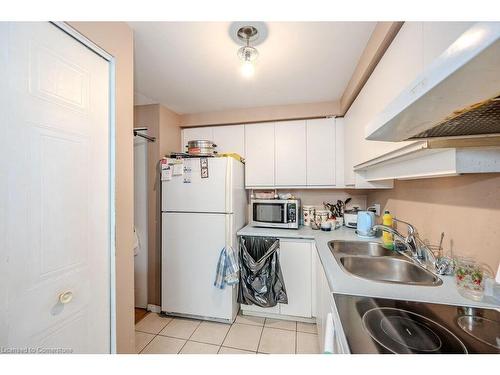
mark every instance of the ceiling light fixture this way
{"type": "Point", "coordinates": [247, 54]}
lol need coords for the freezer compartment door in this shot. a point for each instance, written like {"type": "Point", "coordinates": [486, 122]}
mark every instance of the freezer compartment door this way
{"type": "Point", "coordinates": [191, 245]}
{"type": "Point", "coordinates": [192, 193]}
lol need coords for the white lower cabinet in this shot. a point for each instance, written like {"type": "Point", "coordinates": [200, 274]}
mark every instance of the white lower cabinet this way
{"type": "Point", "coordinates": [296, 265]}
{"type": "Point", "coordinates": [330, 334]}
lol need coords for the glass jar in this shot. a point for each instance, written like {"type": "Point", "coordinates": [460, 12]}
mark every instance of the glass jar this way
{"type": "Point", "coordinates": [308, 213]}
{"type": "Point", "coordinates": [470, 277]}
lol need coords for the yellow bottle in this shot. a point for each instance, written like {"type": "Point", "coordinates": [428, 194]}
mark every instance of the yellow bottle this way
{"type": "Point", "coordinates": [387, 237]}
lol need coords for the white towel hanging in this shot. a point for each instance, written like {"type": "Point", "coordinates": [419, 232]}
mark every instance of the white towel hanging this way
{"type": "Point", "coordinates": [137, 244]}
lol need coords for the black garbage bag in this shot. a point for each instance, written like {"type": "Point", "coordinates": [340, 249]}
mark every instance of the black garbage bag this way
{"type": "Point", "coordinates": [261, 280]}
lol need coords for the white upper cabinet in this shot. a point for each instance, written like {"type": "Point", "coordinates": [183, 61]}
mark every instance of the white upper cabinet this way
{"type": "Point", "coordinates": [452, 77]}
{"type": "Point", "coordinates": [374, 162]}
{"type": "Point", "coordinates": [259, 153]}
{"type": "Point", "coordinates": [321, 147]}
{"type": "Point", "coordinates": [230, 139]}
{"type": "Point", "coordinates": [201, 133]}
{"type": "Point", "coordinates": [290, 153]}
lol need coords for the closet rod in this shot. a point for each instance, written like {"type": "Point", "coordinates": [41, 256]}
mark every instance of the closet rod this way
{"type": "Point", "coordinates": [136, 133]}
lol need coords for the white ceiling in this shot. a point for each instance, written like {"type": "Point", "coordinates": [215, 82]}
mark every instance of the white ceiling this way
{"type": "Point", "coordinates": [192, 67]}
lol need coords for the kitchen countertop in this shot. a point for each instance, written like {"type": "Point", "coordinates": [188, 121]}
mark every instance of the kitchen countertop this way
{"type": "Point", "coordinates": [343, 283]}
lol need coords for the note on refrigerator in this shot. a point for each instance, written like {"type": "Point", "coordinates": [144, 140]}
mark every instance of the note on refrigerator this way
{"type": "Point", "coordinates": [178, 168]}
{"type": "Point", "coordinates": [166, 173]}
{"type": "Point", "coordinates": [187, 171]}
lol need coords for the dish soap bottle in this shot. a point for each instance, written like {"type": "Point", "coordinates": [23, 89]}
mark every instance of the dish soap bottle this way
{"type": "Point", "coordinates": [387, 238]}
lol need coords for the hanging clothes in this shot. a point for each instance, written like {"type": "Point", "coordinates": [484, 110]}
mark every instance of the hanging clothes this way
{"type": "Point", "coordinates": [227, 272]}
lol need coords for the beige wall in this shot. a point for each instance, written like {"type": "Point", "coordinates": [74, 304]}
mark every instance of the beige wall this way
{"type": "Point", "coordinates": [381, 38]}
{"type": "Point", "coordinates": [261, 114]}
{"type": "Point", "coordinates": [466, 208]}
{"type": "Point", "coordinates": [163, 124]}
{"type": "Point", "coordinates": [170, 131]}
{"type": "Point", "coordinates": [117, 39]}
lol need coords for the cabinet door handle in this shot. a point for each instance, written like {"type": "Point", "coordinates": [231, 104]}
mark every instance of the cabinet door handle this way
{"type": "Point", "coordinates": [66, 297]}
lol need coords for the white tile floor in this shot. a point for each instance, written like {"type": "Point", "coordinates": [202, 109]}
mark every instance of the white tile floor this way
{"type": "Point", "coordinates": [156, 334]}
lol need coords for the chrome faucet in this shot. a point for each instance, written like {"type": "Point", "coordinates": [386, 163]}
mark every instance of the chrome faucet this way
{"type": "Point", "coordinates": [419, 251]}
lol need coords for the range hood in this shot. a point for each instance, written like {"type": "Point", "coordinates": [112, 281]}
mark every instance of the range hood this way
{"type": "Point", "coordinates": [457, 96]}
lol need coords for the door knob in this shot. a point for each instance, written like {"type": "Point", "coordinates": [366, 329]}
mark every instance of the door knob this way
{"type": "Point", "coordinates": [66, 297]}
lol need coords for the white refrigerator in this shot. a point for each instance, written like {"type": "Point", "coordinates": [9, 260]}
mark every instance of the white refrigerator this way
{"type": "Point", "coordinates": [199, 217]}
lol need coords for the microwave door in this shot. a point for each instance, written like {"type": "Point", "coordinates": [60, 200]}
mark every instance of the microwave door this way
{"type": "Point", "coordinates": [269, 213]}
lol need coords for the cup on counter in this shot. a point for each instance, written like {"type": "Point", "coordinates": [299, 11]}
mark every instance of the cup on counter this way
{"type": "Point", "coordinates": [322, 215]}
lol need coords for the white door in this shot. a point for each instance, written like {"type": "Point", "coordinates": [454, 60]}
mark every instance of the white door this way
{"type": "Point", "coordinates": [290, 141]}
{"type": "Point", "coordinates": [141, 222]}
{"type": "Point", "coordinates": [321, 152]}
{"type": "Point", "coordinates": [230, 139]}
{"type": "Point", "coordinates": [201, 133]}
{"type": "Point", "coordinates": [55, 208]}
{"type": "Point", "coordinates": [191, 245]}
{"type": "Point", "coordinates": [259, 152]}
{"type": "Point", "coordinates": [295, 261]}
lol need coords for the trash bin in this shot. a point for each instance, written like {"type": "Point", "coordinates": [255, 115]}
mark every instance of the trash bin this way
{"type": "Point", "coordinates": [261, 280]}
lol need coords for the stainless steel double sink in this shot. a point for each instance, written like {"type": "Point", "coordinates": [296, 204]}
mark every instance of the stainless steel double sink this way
{"type": "Point", "coordinates": [371, 261]}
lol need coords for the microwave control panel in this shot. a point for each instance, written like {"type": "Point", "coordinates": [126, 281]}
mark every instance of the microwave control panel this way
{"type": "Point", "coordinates": [292, 212]}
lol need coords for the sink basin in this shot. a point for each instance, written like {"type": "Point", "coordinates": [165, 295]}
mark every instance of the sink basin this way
{"type": "Point", "coordinates": [389, 270]}
{"type": "Point", "coordinates": [371, 249]}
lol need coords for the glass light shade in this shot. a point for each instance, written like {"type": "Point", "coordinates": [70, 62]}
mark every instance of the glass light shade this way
{"type": "Point", "coordinates": [248, 53]}
{"type": "Point", "coordinates": [247, 69]}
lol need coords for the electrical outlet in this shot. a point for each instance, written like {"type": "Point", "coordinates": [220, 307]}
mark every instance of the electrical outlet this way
{"type": "Point", "coordinates": [375, 208]}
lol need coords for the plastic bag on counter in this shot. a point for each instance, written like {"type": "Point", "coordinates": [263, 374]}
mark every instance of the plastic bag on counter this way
{"type": "Point", "coordinates": [261, 280]}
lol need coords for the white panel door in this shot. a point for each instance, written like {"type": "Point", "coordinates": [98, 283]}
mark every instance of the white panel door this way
{"type": "Point", "coordinates": [290, 141]}
{"type": "Point", "coordinates": [230, 139]}
{"type": "Point", "coordinates": [259, 152]}
{"type": "Point", "coordinates": [55, 184]}
{"type": "Point", "coordinates": [201, 133]}
{"type": "Point", "coordinates": [191, 245]}
{"type": "Point", "coordinates": [295, 261]}
{"type": "Point", "coordinates": [321, 147]}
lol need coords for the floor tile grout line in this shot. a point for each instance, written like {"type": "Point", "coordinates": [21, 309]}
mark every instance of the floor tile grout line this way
{"type": "Point", "coordinates": [225, 336]}
{"type": "Point", "coordinates": [296, 340]}
{"type": "Point", "coordinates": [227, 333]}
{"type": "Point", "coordinates": [149, 342]}
{"type": "Point", "coordinates": [253, 325]}
{"type": "Point", "coordinates": [199, 322]}
{"type": "Point", "coordinates": [244, 350]}
{"type": "Point", "coordinates": [295, 343]}
{"type": "Point", "coordinates": [261, 333]}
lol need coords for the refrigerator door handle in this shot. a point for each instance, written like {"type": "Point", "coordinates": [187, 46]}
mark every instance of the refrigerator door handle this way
{"type": "Point", "coordinates": [228, 184]}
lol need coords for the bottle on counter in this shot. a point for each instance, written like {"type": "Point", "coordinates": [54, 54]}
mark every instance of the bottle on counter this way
{"type": "Point", "coordinates": [387, 238]}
